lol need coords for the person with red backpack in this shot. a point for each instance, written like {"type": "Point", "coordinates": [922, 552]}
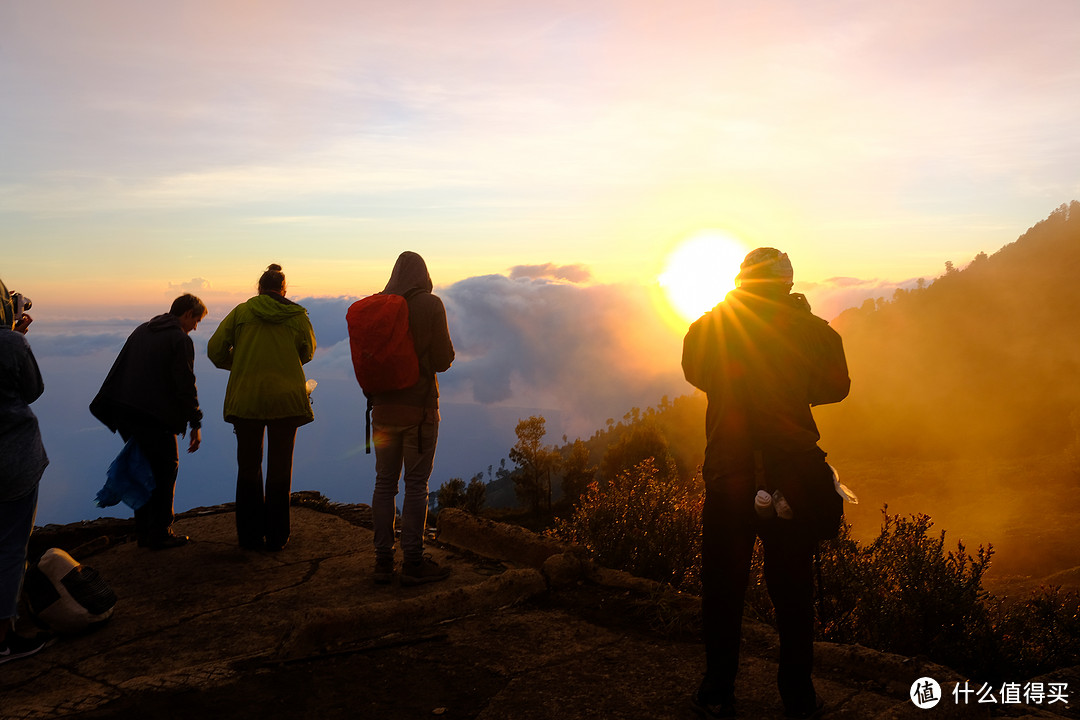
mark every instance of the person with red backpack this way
{"type": "Point", "coordinates": [385, 331]}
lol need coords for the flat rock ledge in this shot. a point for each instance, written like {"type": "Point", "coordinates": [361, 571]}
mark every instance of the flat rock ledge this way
{"type": "Point", "coordinates": [525, 627]}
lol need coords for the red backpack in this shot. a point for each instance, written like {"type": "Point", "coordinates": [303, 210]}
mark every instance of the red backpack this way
{"type": "Point", "coordinates": [383, 354]}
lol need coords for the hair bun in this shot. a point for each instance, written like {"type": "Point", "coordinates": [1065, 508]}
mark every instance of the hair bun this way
{"type": "Point", "coordinates": [273, 267]}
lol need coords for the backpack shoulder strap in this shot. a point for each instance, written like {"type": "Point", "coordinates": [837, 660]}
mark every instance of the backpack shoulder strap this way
{"type": "Point", "coordinates": [367, 428]}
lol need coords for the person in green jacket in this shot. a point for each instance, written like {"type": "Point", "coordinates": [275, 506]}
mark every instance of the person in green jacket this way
{"type": "Point", "coordinates": [263, 343]}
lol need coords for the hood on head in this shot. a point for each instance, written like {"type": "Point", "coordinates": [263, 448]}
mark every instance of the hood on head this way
{"type": "Point", "coordinates": [410, 271]}
{"type": "Point", "coordinates": [274, 308]}
{"type": "Point", "coordinates": [164, 322]}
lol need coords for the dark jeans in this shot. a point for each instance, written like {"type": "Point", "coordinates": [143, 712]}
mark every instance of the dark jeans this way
{"type": "Point", "coordinates": [729, 530]}
{"type": "Point", "coordinates": [154, 519]}
{"type": "Point", "coordinates": [263, 515]}
{"type": "Point", "coordinates": [16, 524]}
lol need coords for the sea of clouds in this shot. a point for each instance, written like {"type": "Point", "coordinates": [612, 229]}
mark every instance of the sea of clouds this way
{"type": "Point", "coordinates": [526, 344]}
{"type": "Point", "coordinates": [538, 340]}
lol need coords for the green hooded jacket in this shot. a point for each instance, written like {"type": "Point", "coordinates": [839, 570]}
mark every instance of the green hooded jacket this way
{"type": "Point", "coordinates": [263, 343]}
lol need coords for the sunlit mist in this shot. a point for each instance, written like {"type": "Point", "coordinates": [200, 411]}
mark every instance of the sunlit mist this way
{"type": "Point", "coordinates": [700, 271]}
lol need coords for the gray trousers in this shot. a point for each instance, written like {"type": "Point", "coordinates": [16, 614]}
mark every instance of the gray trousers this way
{"type": "Point", "coordinates": [412, 449]}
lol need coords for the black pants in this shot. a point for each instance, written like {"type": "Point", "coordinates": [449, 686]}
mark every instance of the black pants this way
{"type": "Point", "coordinates": [263, 515]}
{"type": "Point", "coordinates": [155, 518]}
{"type": "Point", "coordinates": [729, 530]}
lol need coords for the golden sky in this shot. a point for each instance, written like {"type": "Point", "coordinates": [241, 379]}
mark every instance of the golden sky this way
{"type": "Point", "coordinates": [150, 146]}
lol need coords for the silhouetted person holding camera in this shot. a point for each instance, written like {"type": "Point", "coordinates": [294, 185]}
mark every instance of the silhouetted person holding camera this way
{"type": "Point", "coordinates": [22, 462]}
{"type": "Point", "coordinates": [763, 359]}
{"type": "Point", "coordinates": [264, 343]}
{"type": "Point", "coordinates": [149, 396]}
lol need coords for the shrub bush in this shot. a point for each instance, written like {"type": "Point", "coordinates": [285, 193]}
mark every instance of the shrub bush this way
{"type": "Point", "coordinates": [1040, 633]}
{"type": "Point", "coordinates": [903, 592]}
{"type": "Point", "coordinates": [641, 521]}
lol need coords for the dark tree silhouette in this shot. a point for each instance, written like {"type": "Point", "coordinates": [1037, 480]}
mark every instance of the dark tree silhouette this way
{"type": "Point", "coordinates": [535, 462]}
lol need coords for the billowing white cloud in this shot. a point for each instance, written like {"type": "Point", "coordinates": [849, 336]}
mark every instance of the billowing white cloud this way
{"type": "Point", "coordinates": [590, 351]}
{"type": "Point", "coordinates": [585, 352]}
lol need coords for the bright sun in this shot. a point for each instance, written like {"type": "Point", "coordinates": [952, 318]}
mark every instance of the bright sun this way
{"type": "Point", "coordinates": [700, 271]}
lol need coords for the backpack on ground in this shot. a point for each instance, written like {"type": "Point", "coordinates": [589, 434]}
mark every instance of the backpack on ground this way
{"type": "Point", "coordinates": [65, 596]}
{"type": "Point", "coordinates": [383, 354]}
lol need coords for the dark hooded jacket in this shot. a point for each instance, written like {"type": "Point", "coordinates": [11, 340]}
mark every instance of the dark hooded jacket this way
{"type": "Point", "coordinates": [427, 325]}
{"type": "Point", "coordinates": [22, 455]}
{"type": "Point", "coordinates": [152, 380]}
{"type": "Point", "coordinates": [762, 359]}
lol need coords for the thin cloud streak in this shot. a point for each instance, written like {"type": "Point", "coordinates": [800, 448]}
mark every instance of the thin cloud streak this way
{"type": "Point", "coordinates": [570, 273]}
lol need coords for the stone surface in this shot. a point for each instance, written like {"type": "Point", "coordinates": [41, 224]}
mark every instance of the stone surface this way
{"type": "Point", "coordinates": [209, 630]}
{"type": "Point", "coordinates": [502, 542]}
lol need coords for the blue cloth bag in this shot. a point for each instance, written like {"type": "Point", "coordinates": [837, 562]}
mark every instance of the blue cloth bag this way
{"type": "Point", "coordinates": [129, 479]}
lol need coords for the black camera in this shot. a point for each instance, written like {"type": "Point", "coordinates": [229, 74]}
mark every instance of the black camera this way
{"type": "Point", "coordinates": [798, 301]}
{"type": "Point", "coordinates": [21, 303]}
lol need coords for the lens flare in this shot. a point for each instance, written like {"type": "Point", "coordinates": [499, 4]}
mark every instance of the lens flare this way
{"type": "Point", "coordinates": [700, 271]}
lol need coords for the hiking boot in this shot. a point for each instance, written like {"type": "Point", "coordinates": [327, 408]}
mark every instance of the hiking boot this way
{"type": "Point", "coordinates": [384, 570]}
{"type": "Point", "coordinates": [167, 541]}
{"type": "Point", "coordinates": [709, 709]}
{"type": "Point", "coordinates": [15, 646]}
{"type": "Point", "coordinates": [422, 571]}
{"type": "Point", "coordinates": [812, 710]}
{"type": "Point", "coordinates": [275, 546]}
